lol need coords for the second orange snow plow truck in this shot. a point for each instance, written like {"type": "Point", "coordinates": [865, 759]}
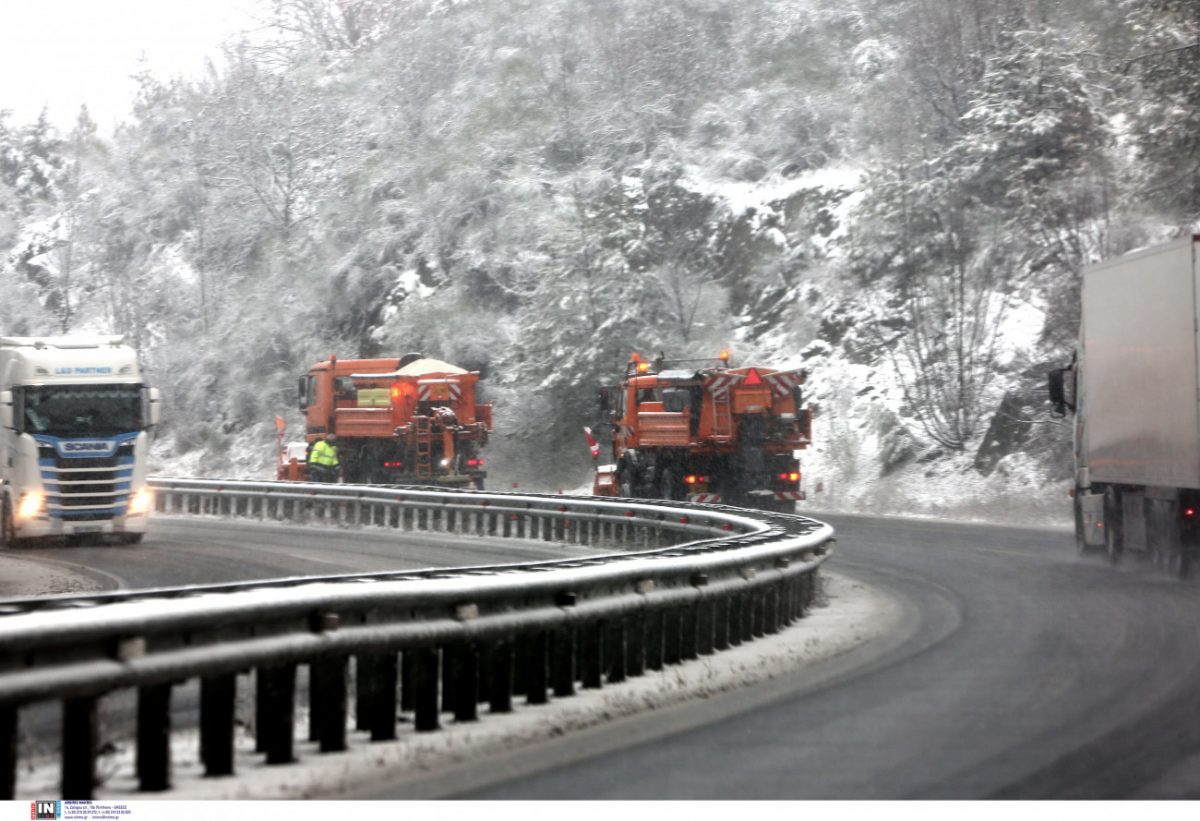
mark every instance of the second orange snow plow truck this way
{"type": "Point", "coordinates": [411, 420]}
{"type": "Point", "coordinates": [706, 434]}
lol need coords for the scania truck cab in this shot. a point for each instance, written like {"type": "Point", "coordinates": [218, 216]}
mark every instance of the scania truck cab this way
{"type": "Point", "coordinates": [75, 417]}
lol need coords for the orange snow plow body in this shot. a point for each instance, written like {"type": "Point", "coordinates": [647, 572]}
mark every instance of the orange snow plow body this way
{"type": "Point", "coordinates": [709, 434]}
{"type": "Point", "coordinates": [403, 421]}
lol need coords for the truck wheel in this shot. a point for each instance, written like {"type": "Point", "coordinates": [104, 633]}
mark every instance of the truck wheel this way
{"type": "Point", "coordinates": [1114, 543]}
{"type": "Point", "coordinates": [668, 485]}
{"type": "Point", "coordinates": [8, 531]}
{"type": "Point", "coordinates": [1081, 544]}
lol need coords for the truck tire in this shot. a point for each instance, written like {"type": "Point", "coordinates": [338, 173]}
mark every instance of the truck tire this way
{"type": "Point", "coordinates": [668, 485]}
{"type": "Point", "coordinates": [1081, 544]}
{"type": "Point", "coordinates": [1114, 540]}
{"type": "Point", "coordinates": [8, 531]}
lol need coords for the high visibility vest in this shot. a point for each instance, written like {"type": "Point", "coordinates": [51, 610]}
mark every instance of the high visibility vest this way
{"type": "Point", "coordinates": [323, 454]}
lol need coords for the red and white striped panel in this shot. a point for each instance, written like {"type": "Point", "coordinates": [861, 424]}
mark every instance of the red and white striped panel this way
{"type": "Point", "coordinates": [792, 495]}
{"type": "Point", "coordinates": [704, 498]}
{"type": "Point", "coordinates": [720, 384]}
{"type": "Point", "coordinates": [783, 381]}
{"type": "Point", "coordinates": [424, 389]}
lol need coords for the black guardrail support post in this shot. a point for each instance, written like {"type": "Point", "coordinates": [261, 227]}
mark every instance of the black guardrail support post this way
{"type": "Point", "coordinates": [720, 610]}
{"type": "Point", "coordinates": [614, 651]}
{"type": "Point", "coordinates": [500, 676]}
{"type": "Point", "coordinates": [747, 615]}
{"type": "Point", "coordinates": [734, 616]}
{"type": "Point", "coordinates": [407, 704]}
{"type": "Point", "coordinates": [591, 654]}
{"type": "Point", "coordinates": [278, 687]}
{"type": "Point", "coordinates": [672, 634]}
{"type": "Point", "coordinates": [562, 661]}
{"type": "Point", "coordinates": [327, 702]}
{"type": "Point", "coordinates": [425, 688]}
{"type": "Point", "coordinates": [8, 751]}
{"type": "Point", "coordinates": [79, 731]}
{"type": "Point", "coordinates": [635, 644]}
{"type": "Point", "coordinates": [154, 737]}
{"type": "Point", "coordinates": [377, 693]}
{"type": "Point", "coordinates": [466, 682]}
{"type": "Point", "coordinates": [655, 637]}
{"type": "Point", "coordinates": [689, 626]}
{"type": "Point", "coordinates": [535, 669]}
{"type": "Point", "coordinates": [363, 678]}
{"type": "Point", "coordinates": [218, 696]}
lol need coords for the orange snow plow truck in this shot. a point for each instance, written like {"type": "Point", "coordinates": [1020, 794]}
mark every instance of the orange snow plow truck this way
{"type": "Point", "coordinates": [706, 434]}
{"type": "Point", "coordinates": [411, 420]}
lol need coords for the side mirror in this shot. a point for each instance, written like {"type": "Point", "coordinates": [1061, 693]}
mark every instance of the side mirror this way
{"type": "Point", "coordinates": [1057, 388]}
{"type": "Point", "coordinates": [6, 409]}
{"type": "Point", "coordinates": [151, 406]}
{"type": "Point", "coordinates": [302, 392]}
{"type": "Point", "coordinates": [605, 402]}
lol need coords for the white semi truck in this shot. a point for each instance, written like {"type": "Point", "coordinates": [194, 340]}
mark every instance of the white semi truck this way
{"type": "Point", "coordinates": [1134, 387]}
{"type": "Point", "coordinates": [74, 421]}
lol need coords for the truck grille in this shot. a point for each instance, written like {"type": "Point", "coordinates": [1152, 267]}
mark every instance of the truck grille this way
{"type": "Point", "coordinates": [87, 488]}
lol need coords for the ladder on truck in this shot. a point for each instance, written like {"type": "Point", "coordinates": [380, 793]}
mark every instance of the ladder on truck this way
{"type": "Point", "coordinates": [423, 446]}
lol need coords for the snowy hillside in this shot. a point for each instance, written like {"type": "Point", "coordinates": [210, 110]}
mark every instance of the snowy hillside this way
{"type": "Point", "coordinates": [897, 195]}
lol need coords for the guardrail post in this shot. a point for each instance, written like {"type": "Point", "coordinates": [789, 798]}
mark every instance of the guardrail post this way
{"type": "Point", "coordinates": [218, 695]}
{"type": "Point", "coordinates": [614, 651]}
{"type": "Point", "coordinates": [425, 688]}
{"type": "Point", "coordinates": [327, 702]}
{"type": "Point", "coordinates": [689, 627]}
{"type": "Point", "coordinates": [79, 733]}
{"type": "Point", "coordinates": [500, 676]}
{"type": "Point", "coordinates": [705, 619]}
{"type": "Point", "coordinates": [635, 644]}
{"type": "Point", "coordinates": [8, 751]}
{"type": "Point", "coordinates": [655, 638]}
{"type": "Point", "coordinates": [535, 668]}
{"type": "Point", "coordinates": [375, 694]}
{"type": "Point", "coordinates": [758, 601]}
{"type": "Point", "coordinates": [672, 635]}
{"type": "Point", "coordinates": [720, 609]}
{"type": "Point", "coordinates": [771, 609]}
{"type": "Point", "coordinates": [154, 738]}
{"type": "Point", "coordinates": [734, 616]}
{"type": "Point", "coordinates": [591, 654]}
{"type": "Point", "coordinates": [747, 615]}
{"type": "Point", "coordinates": [562, 661]}
{"type": "Point", "coordinates": [466, 681]}
{"type": "Point", "coordinates": [406, 682]}
{"type": "Point", "coordinates": [277, 684]}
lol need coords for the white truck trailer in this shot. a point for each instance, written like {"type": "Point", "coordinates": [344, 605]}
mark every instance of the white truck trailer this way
{"type": "Point", "coordinates": [1134, 387]}
{"type": "Point", "coordinates": [74, 422]}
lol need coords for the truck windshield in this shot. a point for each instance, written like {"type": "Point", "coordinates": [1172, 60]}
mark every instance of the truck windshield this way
{"type": "Point", "coordinates": [81, 410]}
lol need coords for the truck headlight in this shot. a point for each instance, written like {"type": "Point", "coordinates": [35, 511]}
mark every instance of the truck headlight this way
{"type": "Point", "coordinates": [32, 505]}
{"type": "Point", "coordinates": [140, 504]}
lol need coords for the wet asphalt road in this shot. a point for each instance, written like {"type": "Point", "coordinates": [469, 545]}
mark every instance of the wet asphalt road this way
{"type": "Point", "coordinates": [1024, 671]}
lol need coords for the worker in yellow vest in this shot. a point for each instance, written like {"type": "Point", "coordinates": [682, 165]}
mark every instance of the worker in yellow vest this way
{"type": "Point", "coordinates": [323, 460]}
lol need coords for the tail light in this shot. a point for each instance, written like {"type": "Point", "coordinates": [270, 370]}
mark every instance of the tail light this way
{"type": "Point", "coordinates": [793, 476]}
{"type": "Point", "coordinates": [693, 479]}
{"type": "Point", "coordinates": [393, 464]}
{"type": "Point", "coordinates": [474, 463]}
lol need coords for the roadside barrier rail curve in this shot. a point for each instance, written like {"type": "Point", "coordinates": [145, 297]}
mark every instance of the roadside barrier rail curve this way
{"type": "Point", "coordinates": [681, 581]}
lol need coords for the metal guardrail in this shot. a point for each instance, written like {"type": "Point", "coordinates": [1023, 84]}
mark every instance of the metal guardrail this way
{"type": "Point", "coordinates": [684, 580]}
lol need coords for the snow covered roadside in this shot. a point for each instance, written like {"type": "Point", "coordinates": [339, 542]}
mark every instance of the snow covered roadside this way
{"type": "Point", "coordinates": [847, 615]}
